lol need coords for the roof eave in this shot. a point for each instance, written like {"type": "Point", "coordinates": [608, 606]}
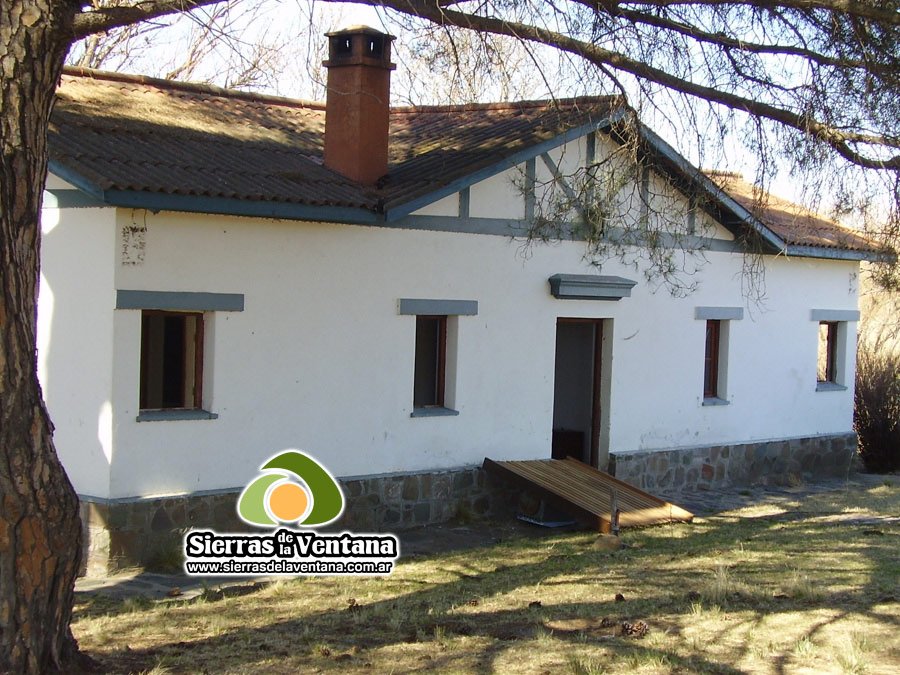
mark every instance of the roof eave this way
{"type": "Point", "coordinates": [226, 206]}
{"type": "Point", "coordinates": [828, 253]}
{"type": "Point", "coordinates": [73, 178]}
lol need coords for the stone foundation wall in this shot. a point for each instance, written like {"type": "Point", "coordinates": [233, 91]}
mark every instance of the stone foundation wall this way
{"type": "Point", "coordinates": [148, 532]}
{"type": "Point", "coordinates": [783, 462]}
{"type": "Point", "coordinates": [394, 502]}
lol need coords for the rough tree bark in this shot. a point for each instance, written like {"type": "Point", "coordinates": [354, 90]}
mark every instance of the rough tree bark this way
{"type": "Point", "coordinates": [40, 532]}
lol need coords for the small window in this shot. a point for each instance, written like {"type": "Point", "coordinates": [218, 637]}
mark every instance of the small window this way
{"type": "Point", "coordinates": [171, 360]}
{"type": "Point", "coordinates": [827, 358]}
{"type": "Point", "coordinates": [711, 361]}
{"type": "Point", "coordinates": [431, 362]}
{"type": "Point", "coordinates": [718, 323]}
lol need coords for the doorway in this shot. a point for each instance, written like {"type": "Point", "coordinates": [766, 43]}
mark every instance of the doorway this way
{"type": "Point", "coordinates": [577, 397]}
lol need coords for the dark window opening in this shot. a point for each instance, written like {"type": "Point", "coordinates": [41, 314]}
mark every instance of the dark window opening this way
{"type": "Point", "coordinates": [375, 47]}
{"type": "Point", "coordinates": [826, 370]}
{"type": "Point", "coordinates": [341, 46]}
{"type": "Point", "coordinates": [711, 361]}
{"type": "Point", "coordinates": [431, 361]}
{"type": "Point", "coordinates": [171, 360]}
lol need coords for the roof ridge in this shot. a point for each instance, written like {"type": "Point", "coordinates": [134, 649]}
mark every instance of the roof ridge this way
{"type": "Point", "coordinates": [254, 97]}
{"type": "Point", "coordinates": [192, 87]}
{"type": "Point", "coordinates": [510, 105]}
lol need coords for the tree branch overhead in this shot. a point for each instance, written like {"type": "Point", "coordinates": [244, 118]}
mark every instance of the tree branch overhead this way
{"type": "Point", "coordinates": [109, 17]}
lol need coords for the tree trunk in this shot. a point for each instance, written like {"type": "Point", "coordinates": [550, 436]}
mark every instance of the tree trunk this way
{"type": "Point", "coordinates": [40, 532]}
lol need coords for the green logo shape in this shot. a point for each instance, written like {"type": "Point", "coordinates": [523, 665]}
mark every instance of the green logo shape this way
{"type": "Point", "coordinates": [327, 498]}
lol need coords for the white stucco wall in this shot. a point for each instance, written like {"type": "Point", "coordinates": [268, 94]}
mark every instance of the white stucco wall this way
{"type": "Point", "coordinates": [448, 206]}
{"type": "Point", "coordinates": [321, 360]}
{"type": "Point", "coordinates": [75, 338]}
{"type": "Point", "coordinates": [499, 196]}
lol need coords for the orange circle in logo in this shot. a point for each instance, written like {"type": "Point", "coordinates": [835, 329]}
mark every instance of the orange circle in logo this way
{"type": "Point", "coordinates": [288, 502]}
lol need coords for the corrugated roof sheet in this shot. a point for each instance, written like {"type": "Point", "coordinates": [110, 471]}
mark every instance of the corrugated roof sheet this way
{"type": "Point", "coordinates": [131, 133]}
{"type": "Point", "coordinates": [125, 132]}
{"type": "Point", "coordinates": [139, 134]}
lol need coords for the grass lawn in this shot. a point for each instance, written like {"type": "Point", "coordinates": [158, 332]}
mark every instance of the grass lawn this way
{"type": "Point", "coordinates": [808, 589]}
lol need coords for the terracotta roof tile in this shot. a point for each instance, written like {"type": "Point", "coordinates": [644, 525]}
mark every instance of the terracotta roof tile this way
{"type": "Point", "coordinates": [131, 133]}
{"type": "Point", "coordinates": [124, 132]}
{"type": "Point", "coordinates": [794, 224]}
{"type": "Point", "coordinates": [138, 134]}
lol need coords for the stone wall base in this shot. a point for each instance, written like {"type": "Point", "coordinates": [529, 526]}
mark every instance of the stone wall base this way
{"type": "Point", "coordinates": [148, 532]}
{"type": "Point", "coordinates": [784, 462]}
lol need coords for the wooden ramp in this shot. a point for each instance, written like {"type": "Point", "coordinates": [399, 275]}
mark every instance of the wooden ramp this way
{"type": "Point", "coordinates": [589, 493]}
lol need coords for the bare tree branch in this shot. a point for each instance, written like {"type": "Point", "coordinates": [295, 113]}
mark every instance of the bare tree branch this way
{"type": "Point", "coordinates": [863, 10]}
{"type": "Point", "coordinates": [842, 141]}
{"type": "Point", "coordinates": [723, 40]}
{"type": "Point", "coordinates": [107, 18]}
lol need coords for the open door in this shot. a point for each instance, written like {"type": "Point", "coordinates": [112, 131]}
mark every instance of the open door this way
{"type": "Point", "coordinates": [577, 396]}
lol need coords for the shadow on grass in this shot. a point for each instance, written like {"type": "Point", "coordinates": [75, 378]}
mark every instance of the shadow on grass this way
{"type": "Point", "coordinates": [426, 618]}
{"type": "Point", "coordinates": [109, 603]}
{"type": "Point", "coordinates": [428, 615]}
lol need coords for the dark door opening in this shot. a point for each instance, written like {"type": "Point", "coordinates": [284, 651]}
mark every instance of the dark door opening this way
{"type": "Point", "coordinates": [576, 394]}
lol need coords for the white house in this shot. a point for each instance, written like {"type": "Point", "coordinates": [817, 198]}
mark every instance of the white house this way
{"type": "Point", "coordinates": [226, 275]}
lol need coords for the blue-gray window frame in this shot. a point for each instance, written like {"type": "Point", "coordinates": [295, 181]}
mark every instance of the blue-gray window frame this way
{"type": "Point", "coordinates": [192, 302]}
{"type": "Point", "coordinates": [441, 310]}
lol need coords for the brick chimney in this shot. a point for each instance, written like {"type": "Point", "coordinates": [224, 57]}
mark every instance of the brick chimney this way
{"type": "Point", "coordinates": [357, 107]}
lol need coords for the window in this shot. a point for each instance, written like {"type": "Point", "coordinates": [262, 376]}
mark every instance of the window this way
{"type": "Point", "coordinates": [435, 360]}
{"type": "Point", "coordinates": [171, 360]}
{"type": "Point", "coordinates": [711, 361]}
{"type": "Point", "coordinates": [431, 362]}
{"type": "Point", "coordinates": [835, 335]}
{"type": "Point", "coordinates": [717, 321]}
{"type": "Point", "coordinates": [175, 326]}
{"type": "Point", "coordinates": [826, 370]}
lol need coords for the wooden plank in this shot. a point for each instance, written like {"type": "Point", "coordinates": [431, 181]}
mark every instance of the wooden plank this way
{"type": "Point", "coordinates": [677, 511]}
{"type": "Point", "coordinates": [591, 518]}
{"type": "Point", "coordinates": [584, 496]}
{"type": "Point", "coordinates": [589, 491]}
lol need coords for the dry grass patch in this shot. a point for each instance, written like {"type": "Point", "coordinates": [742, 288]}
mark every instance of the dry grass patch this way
{"type": "Point", "coordinates": [796, 588]}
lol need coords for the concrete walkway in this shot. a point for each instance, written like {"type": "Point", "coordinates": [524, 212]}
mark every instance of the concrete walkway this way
{"type": "Point", "coordinates": [439, 538]}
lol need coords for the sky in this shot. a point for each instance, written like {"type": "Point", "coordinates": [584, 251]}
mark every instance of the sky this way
{"type": "Point", "coordinates": [294, 29]}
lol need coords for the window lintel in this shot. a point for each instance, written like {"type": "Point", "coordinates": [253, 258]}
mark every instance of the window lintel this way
{"type": "Point", "coordinates": [590, 287]}
{"type": "Point", "coordinates": [433, 307]}
{"type": "Point", "coordinates": [719, 313]}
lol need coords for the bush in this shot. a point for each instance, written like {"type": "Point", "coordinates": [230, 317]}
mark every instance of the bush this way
{"type": "Point", "coordinates": [877, 409]}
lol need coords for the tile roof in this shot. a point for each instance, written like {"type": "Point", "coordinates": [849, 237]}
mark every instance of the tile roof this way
{"type": "Point", "coordinates": [125, 132]}
{"type": "Point", "coordinates": [143, 135]}
{"type": "Point", "coordinates": [794, 224]}
{"type": "Point", "coordinates": [431, 146]}
{"type": "Point", "coordinates": [134, 133]}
